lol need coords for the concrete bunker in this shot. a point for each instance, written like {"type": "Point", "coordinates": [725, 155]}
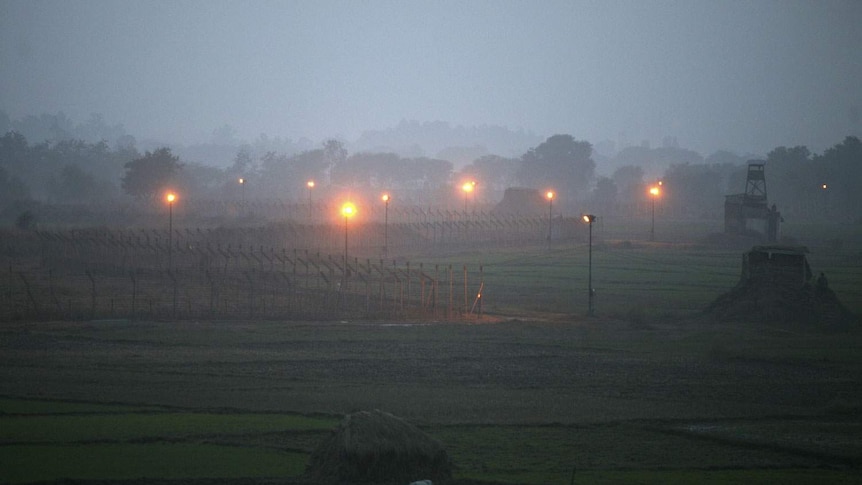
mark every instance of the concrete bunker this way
{"type": "Point", "coordinates": [777, 285]}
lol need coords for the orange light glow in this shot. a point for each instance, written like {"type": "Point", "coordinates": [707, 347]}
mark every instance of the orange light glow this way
{"type": "Point", "coordinates": [241, 181]}
{"type": "Point", "coordinates": [468, 187]}
{"type": "Point", "coordinates": [550, 195]}
{"type": "Point", "coordinates": [385, 198]}
{"type": "Point", "coordinates": [310, 184]}
{"type": "Point", "coordinates": [171, 197]}
{"type": "Point", "coordinates": [655, 191]}
{"type": "Point", "coordinates": [348, 209]}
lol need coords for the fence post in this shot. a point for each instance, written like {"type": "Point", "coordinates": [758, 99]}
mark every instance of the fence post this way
{"type": "Point", "coordinates": [436, 286]}
{"type": "Point", "coordinates": [174, 284]}
{"type": "Point", "coordinates": [134, 292]}
{"type": "Point", "coordinates": [481, 288]}
{"type": "Point", "coordinates": [212, 290]}
{"type": "Point", "coordinates": [250, 294]}
{"type": "Point", "coordinates": [29, 293]}
{"type": "Point", "coordinates": [422, 287]}
{"type": "Point", "coordinates": [92, 294]}
{"type": "Point", "coordinates": [465, 290]}
{"type": "Point", "coordinates": [408, 283]}
{"type": "Point", "coordinates": [53, 295]}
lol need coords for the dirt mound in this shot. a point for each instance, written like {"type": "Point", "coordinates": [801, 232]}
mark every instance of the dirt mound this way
{"type": "Point", "coordinates": [379, 448]}
{"type": "Point", "coordinates": [761, 300]}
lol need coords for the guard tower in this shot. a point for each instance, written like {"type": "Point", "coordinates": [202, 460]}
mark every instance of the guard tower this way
{"type": "Point", "coordinates": [755, 184]}
{"type": "Point", "coordinates": [749, 214]}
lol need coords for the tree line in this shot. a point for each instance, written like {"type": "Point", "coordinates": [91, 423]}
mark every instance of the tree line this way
{"type": "Point", "coordinates": [71, 172]}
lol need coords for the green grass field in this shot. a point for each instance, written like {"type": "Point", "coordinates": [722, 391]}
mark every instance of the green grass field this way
{"type": "Point", "coordinates": [648, 391]}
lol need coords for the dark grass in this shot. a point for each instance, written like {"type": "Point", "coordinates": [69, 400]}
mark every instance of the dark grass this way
{"type": "Point", "coordinates": [649, 391]}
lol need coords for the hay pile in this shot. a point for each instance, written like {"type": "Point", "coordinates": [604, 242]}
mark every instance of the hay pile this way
{"type": "Point", "coordinates": [764, 300]}
{"type": "Point", "coordinates": [378, 448]}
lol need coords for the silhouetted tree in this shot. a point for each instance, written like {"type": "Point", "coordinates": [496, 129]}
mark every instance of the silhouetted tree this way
{"type": "Point", "coordinates": [560, 162]}
{"type": "Point", "coordinates": [493, 172]}
{"type": "Point", "coordinates": [74, 185]}
{"type": "Point", "coordinates": [148, 176]}
{"type": "Point", "coordinates": [11, 188]}
{"type": "Point", "coordinates": [604, 196]}
{"type": "Point", "coordinates": [694, 190]}
{"type": "Point", "coordinates": [629, 180]}
{"type": "Point", "coordinates": [840, 168]}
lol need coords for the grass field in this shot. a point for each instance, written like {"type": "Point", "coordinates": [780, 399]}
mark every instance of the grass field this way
{"type": "Point", "coordinates": [648, 391]}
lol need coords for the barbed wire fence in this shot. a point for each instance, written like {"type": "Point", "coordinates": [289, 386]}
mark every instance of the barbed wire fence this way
{"type": "Point", "coordinates": [286, 270]}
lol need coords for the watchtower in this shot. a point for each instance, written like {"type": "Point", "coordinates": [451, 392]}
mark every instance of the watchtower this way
{"type": "Point", "coordinates": [749, 213]}
{"type": "Point", "coordinates": [755, 184]}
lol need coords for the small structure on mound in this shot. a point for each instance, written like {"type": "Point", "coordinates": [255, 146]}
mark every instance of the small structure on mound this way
{"type": "Point", "coordinates": [378, 448]}
{"type": "Point", "coordinates": [776, 285]}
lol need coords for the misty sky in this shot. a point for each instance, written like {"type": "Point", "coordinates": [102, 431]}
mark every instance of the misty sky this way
{"type": "Point", "coordinates": [741, 75]}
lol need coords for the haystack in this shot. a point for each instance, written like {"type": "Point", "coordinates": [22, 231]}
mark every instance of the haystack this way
{"type": "Point", "coordinates": [378, 448]}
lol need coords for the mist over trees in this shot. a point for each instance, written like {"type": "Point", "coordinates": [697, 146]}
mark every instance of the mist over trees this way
{"type": "Point", "coordinates": [65, 166]}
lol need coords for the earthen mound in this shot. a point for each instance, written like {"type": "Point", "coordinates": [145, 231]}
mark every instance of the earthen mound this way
{"type": "Point", "coordinates": [758, 300]}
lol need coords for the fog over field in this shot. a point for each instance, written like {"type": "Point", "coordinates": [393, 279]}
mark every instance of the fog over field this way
{"type": "Point", "coordinates": [744, 76]}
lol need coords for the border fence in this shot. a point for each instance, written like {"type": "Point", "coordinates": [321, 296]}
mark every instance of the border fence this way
{"type": "Point", "coordinates": [280, 271]}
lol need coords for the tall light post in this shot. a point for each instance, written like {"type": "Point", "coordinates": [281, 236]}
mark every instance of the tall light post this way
{"type": "Point", "coordinates": [550, 196]}
{"type": "Point", "coordinates": [590, 219]}
{"type": "Point", "coordinates": [170, 197]}
{"type": "Point", "coordinates": [468, 188]}
{"type": "Point", "coordinates": [348, 210]}
{"type": "Point", "coordinates": [242, 194]}
{"type": "Point", "coordinates": [310, 185]}
{"type": "Point", "coordinates": [385, 198]}
{"type": "Point", "coordinates": [654, 192]}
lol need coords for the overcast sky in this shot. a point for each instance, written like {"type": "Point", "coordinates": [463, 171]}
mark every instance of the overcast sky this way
{"type": "Point", "coordinates": [741, 75]}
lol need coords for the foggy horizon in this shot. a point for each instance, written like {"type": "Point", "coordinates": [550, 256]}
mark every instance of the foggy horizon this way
{"type": "Point", "coordinates": [740, 76]}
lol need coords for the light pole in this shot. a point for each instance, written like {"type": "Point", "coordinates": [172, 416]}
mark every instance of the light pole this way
{"type": "Point", "coordinates": [242, 194]}
{"type": "Point", "coordinates": [170, 197]}
{"type": "Point", "coordinates": [385, 199]}
{"type": "Point", "coordinates": [654, 192]}
{"type": "Point", "coordinates": [348, 210]}
{"type": "Point", "coordinates": [589, 219]}
{"type": "Point", "coordinates": [310, 185]}
{"type": "Point", "coordinates": [550, 196]}
{"type": "Point", "coordinates": [468, 188]}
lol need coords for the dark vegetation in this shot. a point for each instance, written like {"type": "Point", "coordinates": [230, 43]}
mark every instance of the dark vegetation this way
{"type": "Point", "coordinates": [66, 173]}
